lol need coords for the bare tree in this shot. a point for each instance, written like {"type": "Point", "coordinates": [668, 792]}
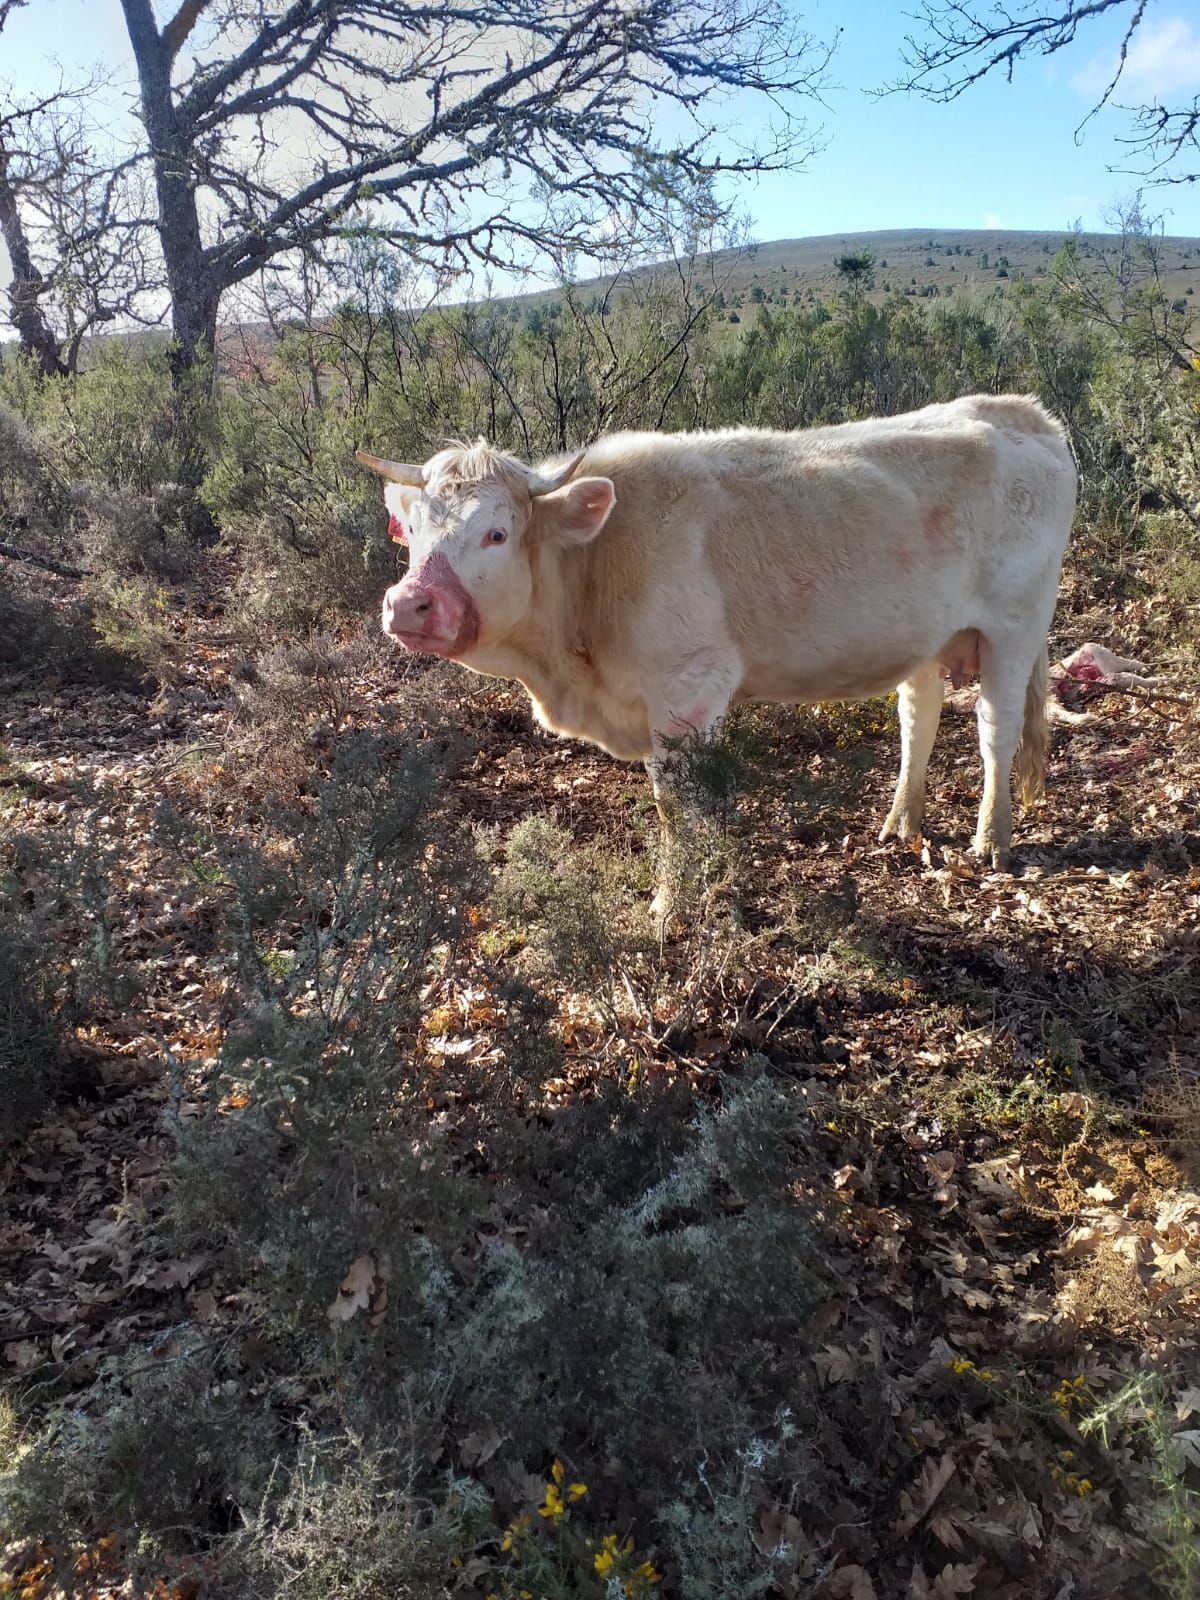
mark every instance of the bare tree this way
{"type": "Point", "coordinates": [71, 268]}
{"type": "Point", "coordinates": [474, 132]}
{"type": "Point", "coordinates": [38, 339]}
{"type": "Point", "coordinates": [27, 286]}
{"type": "Point", "coordinates": [963, 42]}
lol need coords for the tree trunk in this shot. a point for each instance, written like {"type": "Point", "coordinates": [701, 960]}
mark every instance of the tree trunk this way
{"type": "Point", "coordinates": [194, 323]}
{"type": "Point", "coordinates": [38, 340]}
{"type": "Point", "coordinates": [190, 279]}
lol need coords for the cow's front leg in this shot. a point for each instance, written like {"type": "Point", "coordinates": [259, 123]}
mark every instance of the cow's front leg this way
{"type": "Point", "coordinates": [693, 711]}
{"type": "Point", "coordinates": [920, 709]}
{"type": "Point", "coordinates": [673, 818]}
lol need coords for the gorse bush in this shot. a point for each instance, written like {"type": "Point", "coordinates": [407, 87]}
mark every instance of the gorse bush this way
{"type": "Point", "coordinates": [649, 1328]}
{"type": "Point", "coordinates": [333, 926]}
{"type": "Point", "coordinates": [284, 486]}
{"type": "Point", "coordinates": [167, 1444]}
{"type": "Point", "coordinates": [57, 962]}
{"type": "Point", "coordinates": [574, 907]}
{"type": "Point", "coordinates": [127, 539]}
{"type": "Point", "coordinates": [292, 699]}
{"type": "Point", "coordinates": [358, 1524]}
{"type": "Point", "coordinates": [670, 1239]}
{"type": "Point", "coordinates": [711, 770]}
{"type": "Point", "coordinates": [30, 1031]}
{"type": "Point", "coordinates": [32, 492]}
{"type": "Point", "coordinates": [111, 425]}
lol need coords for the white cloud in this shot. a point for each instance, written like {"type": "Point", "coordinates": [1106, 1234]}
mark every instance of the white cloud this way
{"type": "Point", "coordinates": [1163, 59]}
{"type": "Point", "coordinates": [990, 220]}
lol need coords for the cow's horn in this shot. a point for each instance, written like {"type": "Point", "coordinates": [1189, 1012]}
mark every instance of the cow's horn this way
{"type": "Point", "coordinates": [545, 482]}
{"type": "Point", "coordinates": [395, 471]}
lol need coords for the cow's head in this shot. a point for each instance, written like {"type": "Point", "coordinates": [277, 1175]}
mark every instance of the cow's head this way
{"type": "Point", "coordinates": [474, 520]}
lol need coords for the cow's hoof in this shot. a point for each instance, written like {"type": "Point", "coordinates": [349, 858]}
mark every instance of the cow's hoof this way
{"type": "Point", "coordinates": [997, 857]}
{"type": "Point", "coordinates": [902, 825]}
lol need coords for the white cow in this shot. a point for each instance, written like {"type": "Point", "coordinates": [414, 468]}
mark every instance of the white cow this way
{"type": "Point", "coordinates": [651, 582]}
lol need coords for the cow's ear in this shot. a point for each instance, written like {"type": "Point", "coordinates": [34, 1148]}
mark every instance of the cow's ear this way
{"type": "Point", "coordinates": [400, 501]}
{"type": "Point", "coordinates": [576, 513]}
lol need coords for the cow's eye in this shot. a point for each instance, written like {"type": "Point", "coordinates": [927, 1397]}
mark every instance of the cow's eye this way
{"type": "Point", "coordinates": [495, 536]}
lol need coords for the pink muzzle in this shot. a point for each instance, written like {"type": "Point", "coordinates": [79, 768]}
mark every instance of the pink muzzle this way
{"type": "Point", "coordinates": [430, 611]}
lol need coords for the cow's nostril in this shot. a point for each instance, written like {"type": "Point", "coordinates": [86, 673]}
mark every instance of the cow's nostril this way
{"type": "Point", "coordinates": [421, 607]}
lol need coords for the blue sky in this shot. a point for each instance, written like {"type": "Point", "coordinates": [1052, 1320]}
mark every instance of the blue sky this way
{"type": "Point", "coordinates": [1003, 156]}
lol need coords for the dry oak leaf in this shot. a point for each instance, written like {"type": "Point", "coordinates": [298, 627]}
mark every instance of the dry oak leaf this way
{"type": "Point", "coordinates": [781, 1537]}
{"type": "Point", "coordinates": [354, 1292]}
{"type": "Point", "coordinates": [851, 1583]}
{"type": "Point", "coordinates": [834, 1364]}
{"type": "Point", "coordinates": [932, 1479]}
{"type": "Point", "coordinates": [950, 1582]}
{"type": "Point", "coordinates": [477, 1448]}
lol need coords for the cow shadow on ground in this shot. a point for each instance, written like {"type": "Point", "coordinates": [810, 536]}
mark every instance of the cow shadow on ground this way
{"type": "Point", "coordinates": [1093, 971]}
{"type": "Point", "coordinates": [1175, 851]}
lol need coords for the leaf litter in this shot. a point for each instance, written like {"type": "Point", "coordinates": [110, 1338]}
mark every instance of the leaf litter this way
{"type": "Point", "coordinates": [1010, 1206]}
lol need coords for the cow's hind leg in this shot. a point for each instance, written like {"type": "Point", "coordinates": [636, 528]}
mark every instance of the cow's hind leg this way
{"type": "Point", "coordinates": [920, 710]}
{"type": "Point", "coordinates": [1004, 673]}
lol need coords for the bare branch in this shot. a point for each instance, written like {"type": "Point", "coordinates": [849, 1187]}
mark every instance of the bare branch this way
{"type": "Point", "coordinates": [14, 552]}
{"type": "Point", "coordinates": [961, 43]}
{"type": "Point", "coordinates": [476, 131]}
{"type": "Point", "coordinates": [176, 32]}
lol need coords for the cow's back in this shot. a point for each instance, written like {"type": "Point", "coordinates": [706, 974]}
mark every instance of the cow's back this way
{"type": "Point", "coordinates": [834, 559]}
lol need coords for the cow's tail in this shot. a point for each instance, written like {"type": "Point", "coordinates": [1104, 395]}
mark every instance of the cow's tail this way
{"type": "Point", "coordinates": [1035, 735]}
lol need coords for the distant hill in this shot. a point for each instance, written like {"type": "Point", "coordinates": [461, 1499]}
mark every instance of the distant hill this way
{"type": "Point", "coordinates": [915, 261]}
{"type": "Point", "coordinates": [918, 261]}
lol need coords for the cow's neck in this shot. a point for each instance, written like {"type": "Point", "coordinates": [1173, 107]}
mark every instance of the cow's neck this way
{"type": "Point", "coordinates": [555, 654]}
{"type": "Point", "coordinates": [550, 651]}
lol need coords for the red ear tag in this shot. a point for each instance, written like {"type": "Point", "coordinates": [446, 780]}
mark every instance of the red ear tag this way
{"type": "Point", "coordinates": [397, 531]}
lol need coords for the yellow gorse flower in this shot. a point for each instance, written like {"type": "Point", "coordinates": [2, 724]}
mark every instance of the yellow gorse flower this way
{"type": "Point", "coordinates": [517, 1527]}
{"type": "Point", "coordinates": [553, 1504]}
{"type": "Point", "coordinates": [612, 1549]}
{"type": "Point", "coordinates": [1070, 1391]}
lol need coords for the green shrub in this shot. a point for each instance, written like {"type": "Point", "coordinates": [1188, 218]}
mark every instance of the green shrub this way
{"type": "Point", "coordinates": [168, 1443]}
{"type": "Point", "coordinates": [653, 1320]}
{"type": "Point", "coordinates": [670, 1286]}
{"type": "Point", "coordinates": [575, 907]}
{"type": "Point", "coordinates": [352, 1522]}
{"type": "Point", "coordinates": [334, 926]}
{"type": "Point", "coordinates": [125, 540]}
{"type": "Point", "coordinates": [56, 962]}
{"type": "Point", "coordinates": [285, 489]}
{"type": "Point", "coordinates": [113, 424]}
{"type": "Point", "coordinates": [30, 1029]}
